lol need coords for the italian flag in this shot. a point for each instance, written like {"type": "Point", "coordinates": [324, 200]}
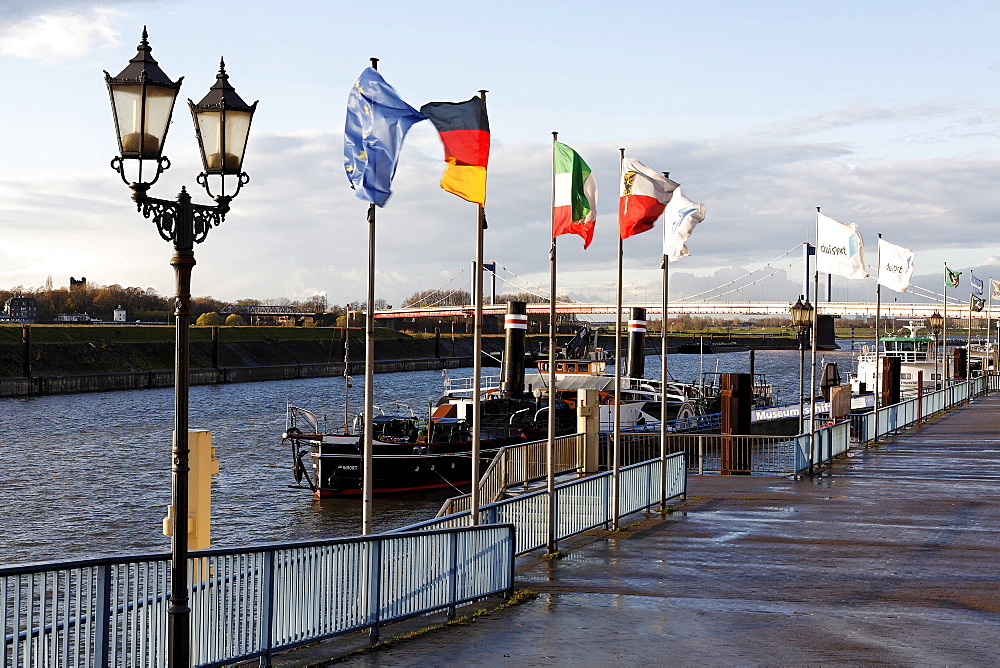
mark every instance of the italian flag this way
{"type": "Point", "coordinates": [574, 198]}
{"type": "Point", "coordinates": [644, 194]}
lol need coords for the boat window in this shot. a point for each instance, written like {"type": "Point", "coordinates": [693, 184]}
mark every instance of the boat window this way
{"type": "Point", "coordinates": [906, 345]}
{"type": "Point", "coordinates": [890, 346]}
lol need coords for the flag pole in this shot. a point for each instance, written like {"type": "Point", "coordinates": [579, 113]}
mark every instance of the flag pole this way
{"type": "Point", "coordinates": [369, 429]}
{"type": "Point", "coordinates": [812, 373]}
{"type": "Point", "coordinates": [944, 328]}
{"type": "Point", "coordinates": [968, 338]}
{"type": "Point", "coordinates": [664, 373]}
{"type": "Point", "coordinates": [550, 446]}
{"type": "Point", "coordinates": [878, 317]}
{"type": "Point", "coordinates": [616, 446]}
{"type": "Point", "coordinates": [989, 310]}
{"type": "Point", "coordinates": [477, 359]}
{"type": "Point", "coordinates": [369, 433]}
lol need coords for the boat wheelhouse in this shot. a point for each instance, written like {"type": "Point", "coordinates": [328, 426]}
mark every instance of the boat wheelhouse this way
{"type": "Point", "coordinates": [918, 357]}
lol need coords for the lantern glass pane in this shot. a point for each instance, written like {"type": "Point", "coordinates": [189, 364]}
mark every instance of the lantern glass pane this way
{"type": "Point", "coordinates": [142, 128]}
{"type": "Point", "coordinates": [237, 130]}
{"type": "Point", "coordinates": [237, 127]}
{"type": "Point", "coordinates": [800, 315]}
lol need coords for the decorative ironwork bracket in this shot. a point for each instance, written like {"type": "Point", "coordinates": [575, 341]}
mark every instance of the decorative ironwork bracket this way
{"type": "Point", "coordinates": [170, 216]}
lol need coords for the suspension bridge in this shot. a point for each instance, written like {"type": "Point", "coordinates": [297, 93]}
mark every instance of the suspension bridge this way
{"type": "Point", "coordinates": [890, 310]}
{"type": "Point", "coordinates": [718, 300]}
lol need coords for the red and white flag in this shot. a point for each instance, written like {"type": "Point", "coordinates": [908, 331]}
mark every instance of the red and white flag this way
{"type": "Point", "coordinates": [644, 194]}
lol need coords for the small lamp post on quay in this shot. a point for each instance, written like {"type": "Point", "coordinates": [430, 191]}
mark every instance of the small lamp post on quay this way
{"type": "Point", "coordinates": [802, 320]}
{"type": "Point", "coordinates": [142, 101]}
{"type": "Point", "coordinates": [937, 323]}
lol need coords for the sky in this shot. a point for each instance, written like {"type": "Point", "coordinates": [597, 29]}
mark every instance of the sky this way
{"type": "Point", "coordinates": [886, 114]}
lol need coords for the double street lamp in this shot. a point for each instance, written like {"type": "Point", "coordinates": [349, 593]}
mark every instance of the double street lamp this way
{"type": "Point", "coordinates": [937, 324]}
{"type": "Point", "coordinates": [802, 320]}
{"type": "Point", "coordinates": [142, 101]}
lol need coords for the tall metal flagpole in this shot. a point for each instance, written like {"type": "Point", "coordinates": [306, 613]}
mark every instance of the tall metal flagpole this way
{"type": "Point", "coordinates": [369, 433]}
{"type": "Point", "coordinates": [815, 336]}
{"type": "Point", "coordinates": [366, 466]}
{"type": "Point", "coordinates": [664, 374]}
{"type": "Point", "coordinates": [989, 309]}
{"type": "Point", "coordinates": [968, 337]}
{"type": "Point", "coordinates": [944, 329]}
{"type": "Point", "coordinates": [550, 483]}
{"type": "Point", "coordinates": [878, 318]}
{"type": "Point", "coordinates": [616, 445]}
{"type": "Point", "coordinates": [477, 359]}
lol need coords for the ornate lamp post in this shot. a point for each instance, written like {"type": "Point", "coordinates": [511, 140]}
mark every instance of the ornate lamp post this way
{"type": "Point", "coordinates": [142, 101]}
{"type": "Point", "coordinates": [802, 320]}
{"type": "Point", "coordinates": [936, 323]}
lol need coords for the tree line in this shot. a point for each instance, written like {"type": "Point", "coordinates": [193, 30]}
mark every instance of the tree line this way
{"type": "Point", "coordinates": [144, 304]}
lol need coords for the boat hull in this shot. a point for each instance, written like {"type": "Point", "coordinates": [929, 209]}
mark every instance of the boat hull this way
{"type": "Point", "coordinates": [397, 468]}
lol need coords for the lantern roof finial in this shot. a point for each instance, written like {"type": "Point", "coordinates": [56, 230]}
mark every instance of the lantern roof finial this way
{"type": "Point", "coordinates": [144, 68]}
{"type": "Point", "coordinates": [222, 95]}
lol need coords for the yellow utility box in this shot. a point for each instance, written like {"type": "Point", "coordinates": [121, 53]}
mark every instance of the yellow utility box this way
{"type": "Point", "coordinates": [203, 464]}
{"type": "Point", "coordinates": [588, 416]}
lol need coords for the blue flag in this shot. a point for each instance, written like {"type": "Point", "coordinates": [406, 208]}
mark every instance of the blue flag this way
{"type": "Point", "coordinates": [377, 122]}
{"type": "Point", "coordinates": [977, 284]}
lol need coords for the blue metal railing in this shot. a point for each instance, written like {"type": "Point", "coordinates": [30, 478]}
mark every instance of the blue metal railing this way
{"type": "Point", "coordinates": [246, 602]}
{"type": "Point", "coordinates": [581, 505]}
{"type": "Point", "coordinates": [888, 420]}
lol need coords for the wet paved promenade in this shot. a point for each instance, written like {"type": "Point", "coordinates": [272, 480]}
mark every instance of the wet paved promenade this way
{"type": "Point", "coordinates": [890, 557]}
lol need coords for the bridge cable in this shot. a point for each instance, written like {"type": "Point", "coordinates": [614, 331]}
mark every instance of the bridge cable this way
{"type": "Point", "coordinates": [747, 275]}
{"type": "Point", "coordinates": [437, 290]}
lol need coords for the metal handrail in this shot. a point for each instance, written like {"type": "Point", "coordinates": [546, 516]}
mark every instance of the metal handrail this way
{"type": "Point", "coordinates": [519, 464]}
{"type": "Point", "coordinates": [580, 505]}
{"type": "Point", "coordinates": [246, 602]}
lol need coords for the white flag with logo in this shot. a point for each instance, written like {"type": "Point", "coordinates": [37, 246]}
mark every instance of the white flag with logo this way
{"type": "Point", "coordinates": [679, 220]}
{"type": "Point", "coordinates": [839, 248]}
{"type": "Point", "coordinates": [895, 265]}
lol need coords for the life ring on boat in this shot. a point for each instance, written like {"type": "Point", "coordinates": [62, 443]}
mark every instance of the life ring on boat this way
{"type": "Point", "coordinates": [690, 409]}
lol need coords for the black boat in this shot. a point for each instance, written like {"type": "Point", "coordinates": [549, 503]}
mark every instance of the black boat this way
{"type": "Point", "coordinates": [412, 454]}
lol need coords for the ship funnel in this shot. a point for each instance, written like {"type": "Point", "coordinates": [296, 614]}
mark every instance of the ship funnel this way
{"type": "Point", "coordinates": [515, 328]}
{"type": "Point", "coordinates": [636, 343]}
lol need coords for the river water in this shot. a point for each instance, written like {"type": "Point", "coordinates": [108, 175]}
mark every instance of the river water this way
{"type": "Point", "coordinates": [88, 475]}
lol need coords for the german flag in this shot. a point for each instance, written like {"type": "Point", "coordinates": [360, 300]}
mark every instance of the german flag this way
{"type": "Point", "coordinates": [465, 132]}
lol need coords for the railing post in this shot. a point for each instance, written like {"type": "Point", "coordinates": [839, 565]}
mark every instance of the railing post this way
{"type": "Point", "coordinates": [701, 455]}
{"type": "Point", "coordinates": [649, 486]}
{"type": "Point", "coordinates": [453, 575]}
{"type": "Point", "coordinates": [684, 476]}
{"type": "Point", "coordinates": [102, 620]}
{"type": "Point", "coordinates": [375, 589]}
{"type": "Point", "coordinates": [267, 609]}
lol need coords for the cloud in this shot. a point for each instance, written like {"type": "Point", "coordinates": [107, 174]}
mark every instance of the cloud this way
{"type": "Point", "coordinates": [55, 32]}
{"type": "Point", "coordinates": [862, 114]}
{"type": "Point", "coordinates": [297, 227]}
